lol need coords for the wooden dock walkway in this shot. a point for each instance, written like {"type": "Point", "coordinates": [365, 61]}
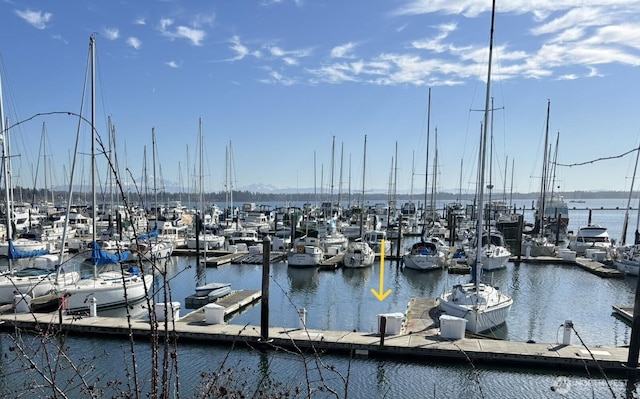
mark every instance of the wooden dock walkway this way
{"type": "Point", "coordinates": [419, 339]}
{"type": "Point", "coordinates": [588, 264]}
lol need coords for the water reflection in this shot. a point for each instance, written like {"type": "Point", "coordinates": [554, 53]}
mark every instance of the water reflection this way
{"type": "Point", "coordinates": [425, 283]}
{"type": "Point", "coordinates": [356, 277]}
{"type": "Point", "coordinates": [303, 280]}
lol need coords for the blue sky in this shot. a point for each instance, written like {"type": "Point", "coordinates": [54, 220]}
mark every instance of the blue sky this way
{"type": "Point", "coordinates": [280, 79]}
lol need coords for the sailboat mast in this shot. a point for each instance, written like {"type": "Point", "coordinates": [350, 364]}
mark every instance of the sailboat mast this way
{"type": "Point", "coordinates": [623, 239]}
{"type": "Point", "coordinates": [5, 166]}
{"type": "Point", "coordinates": [426, 166]}
{"type": "Point", "coordinates": [94, 198]}
{"type": "Point", "coordinates": [200, 188]}
{"type": "Point", "coordinates": [482, 162]}
{"type": "Point", "coordinates": [545, 172]}
{"type": "Point", "coordinates": [364, 168]}
{"type": "Point", "coordinates": [435, 172]}
{"type": "Point", "coordinates": [153, 167]}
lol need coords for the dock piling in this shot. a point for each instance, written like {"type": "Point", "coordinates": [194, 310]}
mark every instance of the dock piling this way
{"type": "Point", "coordinates": [264, 310]}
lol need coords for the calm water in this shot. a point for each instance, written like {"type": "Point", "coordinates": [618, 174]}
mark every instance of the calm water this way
{"type": "Point", "coordinates": [544, 297]}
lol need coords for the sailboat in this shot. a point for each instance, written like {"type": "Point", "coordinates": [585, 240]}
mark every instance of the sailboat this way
{"type": "Point", "coordinates": [425, 255]}
{"type": "Point", "coordinates": [148, 246]}
{"type": "Point", "coordinates": [534, 242]}
{"type": "Point", "coordinates": [358, 253]}
{"type": "Point", "coordinates": [107, 288]}
{"type": "Point", "coordinates": [201, 238]}
{"type": "Point", "coordinates": [482, 305]}
{"type": "Point", "coordinates": [626, 257]}
{"type": "Point", "coordinates": [42, 273]}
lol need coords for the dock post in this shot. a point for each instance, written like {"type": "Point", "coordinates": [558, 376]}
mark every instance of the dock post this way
{"type": "Point", "coordinates": [264, 308]}
{"type": "Point", "coordinates": [383, 329]}
{"type": "Point", "coordinates": [399, 244]}
{"type": "Point", "coordinates": [93, 307]}
{"type": "Point", "coordinates": [634, 341]}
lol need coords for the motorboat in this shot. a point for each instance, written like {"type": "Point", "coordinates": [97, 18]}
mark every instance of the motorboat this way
{"type": "Point", "coordinates": [590, 237]}
{"type": "Point", "coordinates": [306, 252]}
{"type": "Point", "coordinates": [213, 290]}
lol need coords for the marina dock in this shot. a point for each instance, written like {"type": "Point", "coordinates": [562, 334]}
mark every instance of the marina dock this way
{"type": "Point", "coordinates": [419, 339]}
{"type": "Point", "coordinates": [588, 264]}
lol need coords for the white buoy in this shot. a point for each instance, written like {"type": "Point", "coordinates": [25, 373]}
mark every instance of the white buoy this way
{"type": "Point", "coordinates": [93, 307]}
{"type": "Point", "coordinates": [302, 315]}
{"type": "Point", "coordinates": [566, 336]}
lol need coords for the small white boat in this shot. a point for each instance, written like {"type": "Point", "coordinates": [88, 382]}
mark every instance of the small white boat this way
{"type": "Point", "coordinates": [358, 254]}
{"type": "Point", "coordinates": [207, 241]}
{"type": "Point", "coordinates": [493, 253]}
{"type": "Point", "coordinates": [483, 306]}
{"type": "Point", "coordinates": [305, 253]}
{"type": "Point", "coordinates": [213, 290]}
{"type": "Point", "coordinates": [424, 256]}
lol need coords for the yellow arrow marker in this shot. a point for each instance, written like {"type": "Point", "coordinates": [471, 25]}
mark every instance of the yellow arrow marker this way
{"type": "Point", "coordinates": [382, 293]}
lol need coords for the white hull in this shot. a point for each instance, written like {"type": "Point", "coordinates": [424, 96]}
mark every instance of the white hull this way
{"type": "Point", "coordinates": [424, 262]}
{"type": "Point", "coordinates": [208, 241]}
{"type": "Point", "coordinates": [483, 310]}
{"type": "Point", "coordinates": [493, 258]}
{"type": "Point", "coordinates": [630, 267]}
{"type": "Point", "coordinates": [108, 289]}
{"type": "Point", "coordinates": [34, 286]}
{"type": "Point", "coordinates": [305, 256]}
{"type": "Point", "coordinates": [358, 255]}
{"type": "Point", "coordinates": [26, 245]}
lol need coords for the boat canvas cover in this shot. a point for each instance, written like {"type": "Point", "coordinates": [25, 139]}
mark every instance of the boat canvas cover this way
{"type": "Point", "coordinates": [101, 257]}
{"type": "Point", "coordinates": [151, 234]}
{"type": "Point", "coordinates": [15, 253]}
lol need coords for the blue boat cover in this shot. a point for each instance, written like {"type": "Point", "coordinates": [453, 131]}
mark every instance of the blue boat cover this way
{"type": "Point", "coordinates": [101, 257]}
{"type": "Point", "coordinates": [15, 253]}
{"type": "Point", "coordinates": [151, 234]}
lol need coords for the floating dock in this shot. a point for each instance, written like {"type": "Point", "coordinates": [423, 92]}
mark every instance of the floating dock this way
{"type": "Point", "coordinates": [588, 264]}
{"type": "Point", "coordinates": [419, 339]}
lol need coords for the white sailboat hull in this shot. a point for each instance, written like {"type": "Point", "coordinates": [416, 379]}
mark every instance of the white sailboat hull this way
{"type": "Point", "coordinates": [484, 308]}
{"type": "Point", "coordinates": [358, 255]}
{"type": "Point", "coordinates": [108, 289]}
{"type": "Point", "coordinates": [34, 286]}
{"type": "Point", "coordinates": [424, 262]}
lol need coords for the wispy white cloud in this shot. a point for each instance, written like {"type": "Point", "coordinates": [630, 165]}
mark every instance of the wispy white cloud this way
{"type": "Point", "coordinates": [289, 57]}
{"type": "Point", "coordinates": [195, 36]}
{"type": "Point", "coordinates": [566, 37]}
{"type": "Point", "coordinates": [436, 43]}
{"type": "Point", "coordinates": [266, 3]}
{"type": "Point", "coordinates": [59, 37]}
{"type": "Point", "coordinates": [173, 64]}
{"type": "Point", "coordinates": [37, 19]}
{"type": "Point", "coordinates": [134, 42]}
{"type": "Point", "coordinates": [111, 33]}
{"type": "Point", "coordinates": [240, 50]}
{"type": "Point", "coordinates": [343, 51]}
{"type": "Point", "coordinates": [275, 77]}
{"type": "Point", "coordinates": [140, 21]}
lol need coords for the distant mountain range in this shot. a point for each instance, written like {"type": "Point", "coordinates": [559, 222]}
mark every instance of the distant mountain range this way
{"type": "Point", "coordinates": [262, 188]}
